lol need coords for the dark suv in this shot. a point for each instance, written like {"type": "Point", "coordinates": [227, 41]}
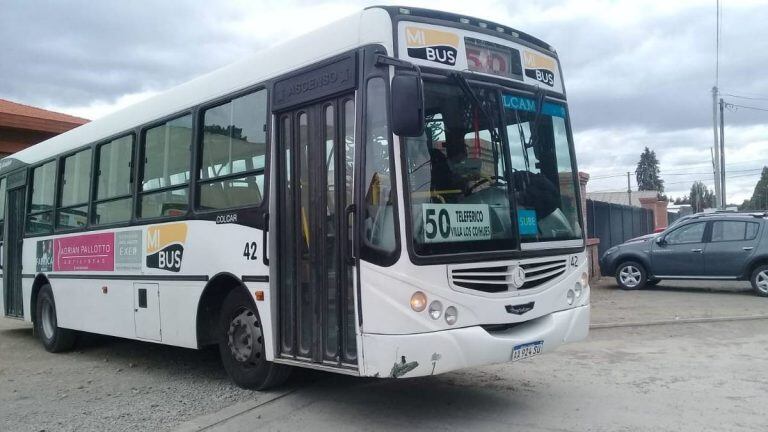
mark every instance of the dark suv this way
{"type": "Point", "coordinates": [721, 246]}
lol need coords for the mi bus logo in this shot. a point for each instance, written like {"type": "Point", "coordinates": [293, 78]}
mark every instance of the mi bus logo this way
{"type": "Point", "coordinates": [432, 45]}
{"type": "Point", "coordinates": [165, 246]}
{"type": "Point", "coordinates": [539, 67]}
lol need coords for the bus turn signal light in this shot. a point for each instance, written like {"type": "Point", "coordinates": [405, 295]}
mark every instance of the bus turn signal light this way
{"type": "Point", "coordinates": [418, 301]}
{"type": "Point", "coordinates": [259, 295]}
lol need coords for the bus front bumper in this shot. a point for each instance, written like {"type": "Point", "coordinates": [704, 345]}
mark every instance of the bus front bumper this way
{"type": "Point", "coordinates": [414, 355]}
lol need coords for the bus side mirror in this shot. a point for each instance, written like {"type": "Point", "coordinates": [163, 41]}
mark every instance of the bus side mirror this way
{"type": "Point", "coordinates": [407, 104]}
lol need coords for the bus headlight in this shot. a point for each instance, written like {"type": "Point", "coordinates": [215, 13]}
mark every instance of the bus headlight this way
{"type": "Point", "coordinates": [418, 301]}
{"type": "Point", "coordinates": [570, 296]}
{"type": "Point", "coordinates": [578, 290]}
{"type": "Point", "coordinates": [435, 309]}
{"type": "Point", "coordinates": [584, 279]}
{"type": "Point", "coordinates": [451, 315]}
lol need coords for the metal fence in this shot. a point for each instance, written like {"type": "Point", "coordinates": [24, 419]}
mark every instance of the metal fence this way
{"type": "Point", "coordinates": [672, 216]}
{"type": "Point", "coordinates": [616, 223]}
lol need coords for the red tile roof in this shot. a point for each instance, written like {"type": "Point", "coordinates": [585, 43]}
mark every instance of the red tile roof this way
{"type": "Point", "coordinates": [8, 107]}
{"type": "Point", "coordinates": [20, 117]}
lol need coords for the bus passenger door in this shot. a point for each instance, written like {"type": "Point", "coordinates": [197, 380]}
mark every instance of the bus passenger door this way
{"type": "Point", "coordinates": [12, 249]}
{"type": "Point", "coordinates": [314, 184]}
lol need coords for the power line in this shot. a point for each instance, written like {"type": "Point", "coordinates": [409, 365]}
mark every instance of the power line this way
{"type": "Point", "coordinates": [703, 180]}
{"type": "Point", "coordinates": [758, 98]}
{"type": "Point", "coordinates": [730, 105]}
{"type": "Point", "coordinates": [707, 172]}
{"type": "Point", "coordinates": [677, 173]}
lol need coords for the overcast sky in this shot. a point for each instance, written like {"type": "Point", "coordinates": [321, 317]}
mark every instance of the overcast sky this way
{"type": "Point", "coordinates": [638, 73]}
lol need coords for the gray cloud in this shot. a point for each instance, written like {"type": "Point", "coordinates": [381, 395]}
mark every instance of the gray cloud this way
{"type": "Point", "coordinates": [78, 52]}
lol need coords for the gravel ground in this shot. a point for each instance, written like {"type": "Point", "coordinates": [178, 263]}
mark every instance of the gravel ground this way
{"type": "Point", "coordinates": [106, 384]}
{"type": "Point", "coordinates": [120, 385]}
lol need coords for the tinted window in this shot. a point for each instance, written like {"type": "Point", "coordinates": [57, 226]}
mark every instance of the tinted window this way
{"type": "Point", "coordinates": [114, 170]}
{"type": "Point", "coordinates": [75, 186]}
{"type": "Point", "coordinates": [113, 211]}
{"type": "Point", "coordinates": [2, 206]}
{"type": "Point", "coordinates": [114, 181]}
{"type": "Point", "coordinates": [40, 219]}
{"type": "Point", "coordinates": [166, 154]}
{"type": "Point", "coordinates": [166, 150]}
{"type": "Point", "coordinates": [378, 212]}
{"type": "Point", "coordinates": [691, 233]}
{"type": "Point", "coordinates": [43, 180]}
{"type": "Point", "coordinates": [234, 142]}
{"type": "Point", "coordinates": [167, 203]}
{"type": "Point", "coordinates": [752, 229]}
{"type": "Point", "coordinates": [733, 231]}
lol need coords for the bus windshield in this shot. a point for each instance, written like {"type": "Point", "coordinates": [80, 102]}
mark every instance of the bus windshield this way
{"type": "Point", "coordinates": [473, 187]}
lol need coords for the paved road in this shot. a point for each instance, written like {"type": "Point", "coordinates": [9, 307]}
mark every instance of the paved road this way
{"type": "Point", "coordinates": [684, 377]}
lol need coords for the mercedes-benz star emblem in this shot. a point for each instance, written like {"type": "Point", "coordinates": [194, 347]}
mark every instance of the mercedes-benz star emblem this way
{"type": "Point", "coordinates": [518, 277]}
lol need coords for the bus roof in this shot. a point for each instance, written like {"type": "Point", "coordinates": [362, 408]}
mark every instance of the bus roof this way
{"type": "Point", "coordinates": [403, 12]}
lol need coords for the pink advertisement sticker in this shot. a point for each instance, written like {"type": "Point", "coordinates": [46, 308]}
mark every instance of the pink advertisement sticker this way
{"type": "Point", "coordinates": [91, 252]}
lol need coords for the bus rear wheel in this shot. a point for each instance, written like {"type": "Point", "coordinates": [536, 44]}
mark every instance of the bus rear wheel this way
{"type": "Point", "coordinates": [54, 338]}
{"type": "Point", "coordinates": [241, 345]}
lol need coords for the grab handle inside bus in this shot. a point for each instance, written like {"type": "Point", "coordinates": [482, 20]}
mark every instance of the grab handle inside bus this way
{"type": "Point", "coordinates": [350, 254]}
{"type": "Point", "coordinates": [264, 232]}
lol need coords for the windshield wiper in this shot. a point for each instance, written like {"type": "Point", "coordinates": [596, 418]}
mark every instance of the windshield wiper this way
{"type": "Point", "coordinates": [540, 95]}
{"type": "Point", "coordinates": [461, 80]}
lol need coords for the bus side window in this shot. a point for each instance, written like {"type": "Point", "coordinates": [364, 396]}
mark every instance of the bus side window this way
{"type": "Point", "coordinates": [40, 218]}
{"type": "Point", "coordinates": [165, 175]}
{"type": "Point", "coordinates": [379, 239]}
{"type": "Point", "coordinates": [2, 211]}
{"type": "Point", "coordinates": [234, 146]}
{"type": "Point", "coordinates": [113, 201]}
{"type": "Point", "coordinates": [75, 186]}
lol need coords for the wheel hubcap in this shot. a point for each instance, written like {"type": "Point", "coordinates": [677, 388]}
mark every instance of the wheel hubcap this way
{"type": "Point", "coordinates": [762, 281]}
{"type": "Point", "coordinates": [244, 337]}
{"type": "Point", "coordinates": [630, 276]}
{"type": "Point", "coordinates": [48, 320]}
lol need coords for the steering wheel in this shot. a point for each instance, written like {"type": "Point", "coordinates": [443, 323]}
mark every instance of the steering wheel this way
{"type": "Point", "coordinates": [483, 181]}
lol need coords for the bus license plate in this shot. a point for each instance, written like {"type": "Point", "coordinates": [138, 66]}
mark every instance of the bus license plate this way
{"type": "Point", "coordinates": [527, 350]}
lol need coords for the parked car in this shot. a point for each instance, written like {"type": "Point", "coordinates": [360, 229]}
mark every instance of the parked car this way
{"type": "Point", "coordinates": [717, 246]}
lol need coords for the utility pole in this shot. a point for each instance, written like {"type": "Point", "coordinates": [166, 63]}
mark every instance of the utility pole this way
{"type": "Point", "coordinates": [717, 145]}
{"type": "Point", "coordinates": [629, 190]}
{"type": "Point", "coordinates": [722, 154]}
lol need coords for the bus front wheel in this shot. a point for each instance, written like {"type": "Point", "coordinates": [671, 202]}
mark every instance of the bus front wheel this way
{"type": "Point", "coordinates": [241, 345]}
{"type": "Point", "coordinates": [54, 338]}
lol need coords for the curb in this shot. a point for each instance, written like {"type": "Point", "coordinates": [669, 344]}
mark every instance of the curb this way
{"type": "Point", "coordinates": [209, 420]}
{"type": "Point", "coordinates": [677, 321]}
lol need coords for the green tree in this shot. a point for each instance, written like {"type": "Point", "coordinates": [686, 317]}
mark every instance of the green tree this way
{"type": "Point", "coordinates": [759, 200]}
{"type": "Point", "coordinates": [647, 172]}
{"type": "Point", "coordinates": [701, 197]}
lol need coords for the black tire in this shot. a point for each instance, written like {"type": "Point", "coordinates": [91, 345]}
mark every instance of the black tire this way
{"type": "Point", "coordinates": [241, 345]}
{"type": "Point", "coordinates": [759, 279]}
{"type": "Point", "coordinates": [631, 275]}
{"type": "Point", "coordinates": [54, 338]}
{"type": "Point", "coordinates": [652, 282]}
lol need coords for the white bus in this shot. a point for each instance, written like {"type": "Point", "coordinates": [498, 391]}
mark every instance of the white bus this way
{"type": "Point", "coordinates": [393, 195]}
